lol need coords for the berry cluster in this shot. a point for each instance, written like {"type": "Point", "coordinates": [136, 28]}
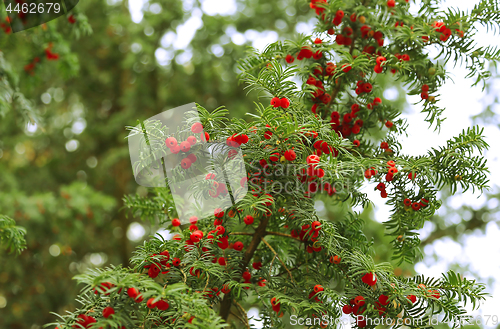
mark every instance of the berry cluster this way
{"type": "Point", "coordinates": [6, 26]}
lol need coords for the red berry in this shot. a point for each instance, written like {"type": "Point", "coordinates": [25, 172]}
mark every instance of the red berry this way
{"type": "Point", "coordinates": [407, 202]}
{"type": "Point", "coordinates": [196, 236]}
{"type": "Point", "coordinates": [162, 305]}
{"type": "Point", "coordinates": [176, 222]}
{"type": "Point", "coordinates": [415, 206]}
{"type": "Point", "coordinates": [412, 298]}
{"type": "Point", "coordinates": [186, 163]}
{"type": "Point", "coordinates": [246, 275]}
{"type": "Point", "coordinates": [383, 299]}
{"type": "Point", "coordinates": [151, 303]}
{"type": "Point", "coordinates": [197, 128]}
{"type": "Point", "coordinates": [424, 95]}
{"type": "Point", "coordinates": [171, 142]}
{"type": "Point", "coordinates": [346, 68]}
{"type": "Point", "coordinates": [290, 155]}
{"type": "Point", "coordinates": [71, 19]}
{"type": "Point", "coordinates": [238, 245]}
{"type": "Point", "coordinates": [312, 160]}
{"type": "Point", "coordinates": [222, 261]}
{"type": "Point", "coordinates": [356, 143]}
{"type": "Point", "coordinates": [318, 288]}
{"type": "Point", "coordinates": [192, 140]}
{"type": "Point", "coordinates": [218, 213]}
{"type": "Point", "coordinates": [425, 88]}
{"type": "Point", "coordinates": [284, 103]}
{"type": "Point", "coordinates": [248, 220]}
{"type": "Point", "coordinates": [108, 311]}
{"type": "Point", "coordinates": [384, 145]}
{"type": "Point", "coordinates": [289, 59]}
{"type": "Point", "coordinates": [185, 146]}
{"type": "Point", "coordinates": [389, 124]}
{"type": "Point", "coordinates": [347, 309]}
{"type": "Point", "coordinates": [132, 292]}
{"type": "Point", "coordinates": [391, 3]}
{"type": "Point", "coordinates": [276, 102]}
{"type": "Point", "coordinates": [359, 301]}
{"type": "Point", "coordinates": [369, 278]}
{"type": "Point", "coordinates": [257, 265]}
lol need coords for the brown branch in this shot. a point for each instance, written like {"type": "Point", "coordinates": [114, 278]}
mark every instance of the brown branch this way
{"type": "Point", "coordinates": [225, 305]}
{"type": "Point", "coordinates": [243, 313]}
{"type": "Point", "coordinates": [241, 233]}
{"type": "Point", "coordinates": [239, 317]}
{"type": "Point", "coordinates": [283, 234]}
{"type": "Point", "coordinates": [282, 263]}
{"type": "Point", "coordinates": [472, 224]}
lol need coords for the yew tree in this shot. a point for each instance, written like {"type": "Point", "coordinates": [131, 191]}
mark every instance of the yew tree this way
{"type": "Point", "coordinates": [316, 133]}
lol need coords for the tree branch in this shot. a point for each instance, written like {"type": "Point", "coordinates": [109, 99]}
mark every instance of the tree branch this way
{"type": "Point", "coordinates": [269, 246]}
{"type": "Point", "coordinates": [225, 305]}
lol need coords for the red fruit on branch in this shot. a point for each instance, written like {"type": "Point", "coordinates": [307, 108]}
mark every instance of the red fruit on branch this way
{"type": "Point", "coordinates": [248, 220]}
{"type": "Point", "coordinates": [197, 128]}
{"type": "Point", "coordinates": [186, 163]}
{"type": "Point", "coordinates": [290, 155]}
{"type": "Point", "coordinates": [150, 303]}
{"type": "Point", "coordinates": [238, 245]}
{"type": "Point", "coordinates": [276, 102]}
{"type": "Point", "coordinates": [318, 288]}
{"type": "Point", "coordinates": [185, 146]}
{"type": "Point", "coordinates": [71, 19]}
{"type": "Point", "coordinates": [289, 59]}
{"type": "Point", "coordinates": [162, 305]}
{"type": "Point", "coordinates": [218, 213]}
{"type": "Point", "coordinates": [284, 103]}
{"type": "Point", "coordinates": [196, 236]}
{"type": "Point", "coordinates": [108, 311]}
{"type": "Point", "coordinates": [383, 299]}
{"type": "Point", "coordinates": [391, 3]}
{"type": "Point", "coordinates": [359, 301]}
{"type": "Point", "coordinates": [257, 265]}
{"type": "Point", "coordinates": [171, 142]}
{"type": "Point", "coordinates": [370, 279]}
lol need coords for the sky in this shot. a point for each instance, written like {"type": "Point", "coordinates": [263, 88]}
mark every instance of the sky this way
{"type": "Point", "coordinates": [458, 97]}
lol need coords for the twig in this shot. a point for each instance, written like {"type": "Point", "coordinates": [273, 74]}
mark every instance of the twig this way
{"type": "Point", "coordinates": [269, 246]}
{"type": "Point", "coordinates": [283, 234]}
{"type": "Point", "coordinates": [241, 233]}
{"type": "Point", "coordinates": [184, 274]}
{"type": "Point", "coordinates": [239, 317]}
{"type": "Point", "coordinates": [271, 265]}
{"type": "Point", "coordinates": [206, 285]}
{"type": "Point", "coordinates": [243, 313]}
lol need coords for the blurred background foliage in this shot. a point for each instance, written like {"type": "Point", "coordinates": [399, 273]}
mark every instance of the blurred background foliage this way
{"type": "Point", "coordinates": [63, 178]}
